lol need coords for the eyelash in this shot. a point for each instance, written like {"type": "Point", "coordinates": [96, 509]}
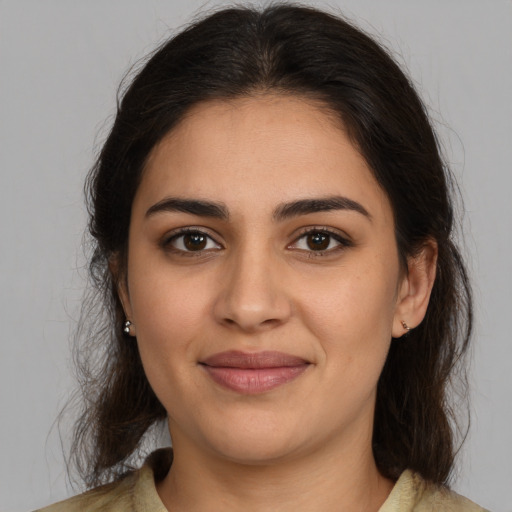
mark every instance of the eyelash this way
{"type": "Point", "coordinates": [167, 242]}
{"type": "Point", "coordinates": [342, 241]}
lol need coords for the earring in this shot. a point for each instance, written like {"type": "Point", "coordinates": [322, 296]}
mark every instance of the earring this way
{"type": "Point", "coordinates": [405, 326]}
{"type": "Point", "coordinates": [126, 328]}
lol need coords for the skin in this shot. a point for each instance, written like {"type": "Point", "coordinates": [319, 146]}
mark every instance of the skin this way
{"type": "Point", "coordinates": [258, 285]}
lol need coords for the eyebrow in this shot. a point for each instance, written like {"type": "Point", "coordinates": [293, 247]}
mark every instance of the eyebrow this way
{"type": "Point", "coordinates": [197, 207]}
{"type": "Point", "coordinates": [211, 209]}
{"type": "Point", "coordinates": [306, 206]}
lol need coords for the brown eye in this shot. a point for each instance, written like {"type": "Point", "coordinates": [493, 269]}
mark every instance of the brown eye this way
{"type": "Point", "coordinates": [321, 241]}
{"type": "Point", "coordinates": [318, 241]}
{"type": "Point", "coordinates": [192, 241]}
{"type": "Point", "coordinates": [195, 241]}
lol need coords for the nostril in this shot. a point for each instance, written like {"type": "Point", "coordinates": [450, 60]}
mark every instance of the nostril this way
{"type": "Point", "coordinates": [270, 322]}
{"type": "Point", "coordinates": [253, 326]}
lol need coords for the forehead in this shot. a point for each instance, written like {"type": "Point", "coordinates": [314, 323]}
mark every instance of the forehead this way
{"type": "Point", "coordinates": [257, 150]}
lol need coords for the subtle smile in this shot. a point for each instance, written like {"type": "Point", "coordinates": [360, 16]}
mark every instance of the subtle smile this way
{"type": "Point", "coordinates": [255, 373]}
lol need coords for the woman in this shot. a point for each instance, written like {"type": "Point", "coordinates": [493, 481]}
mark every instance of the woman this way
{"type": "Point", "coordinates": [272, 225]}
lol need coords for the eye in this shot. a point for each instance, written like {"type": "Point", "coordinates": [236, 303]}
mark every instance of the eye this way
{"type": "Point", "coordinates": [191, 241]}
{"type": "Point", "coordinates": [320, 241]}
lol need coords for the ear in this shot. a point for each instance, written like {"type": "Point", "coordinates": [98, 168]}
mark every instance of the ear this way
{"type": "Point", "coordinates": [120, 281]}
{"type": "Point", "coordinates": [414, 290]}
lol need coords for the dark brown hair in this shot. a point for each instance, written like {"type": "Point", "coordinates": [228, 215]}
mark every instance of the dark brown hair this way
{"type": "Point", "coordinates": [294, 50]}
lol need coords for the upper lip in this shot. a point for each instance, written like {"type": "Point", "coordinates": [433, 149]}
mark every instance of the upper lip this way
{"type": "Point", "coordinates": [265, 359]}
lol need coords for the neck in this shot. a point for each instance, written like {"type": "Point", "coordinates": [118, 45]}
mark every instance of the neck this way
{"type": "Point", "coordinates": [327, 480]}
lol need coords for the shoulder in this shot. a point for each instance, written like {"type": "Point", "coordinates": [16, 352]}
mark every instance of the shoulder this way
{"type": "Point", "coordinates": [413, 494]}
{"type": "Point", "coordinates": [109, 498]}
{"type": "Point", "coordinates": [135, 492]}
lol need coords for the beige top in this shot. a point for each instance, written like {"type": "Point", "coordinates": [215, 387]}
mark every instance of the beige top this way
{"type": "Point", "coordinates": [137, 493]}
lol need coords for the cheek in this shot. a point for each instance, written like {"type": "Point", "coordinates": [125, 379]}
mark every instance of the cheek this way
{"type": "Point", "coordinates": [351, 312]}
{"type": "Point", "coordinates": [160, 313]}
{"type": "Point", "coordinates": [168, 312]}
{"type": "Point", "coordinates": [168, 324]}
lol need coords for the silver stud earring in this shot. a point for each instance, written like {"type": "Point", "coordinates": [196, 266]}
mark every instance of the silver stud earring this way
{"type": "Point", "coordinates": [405, 326]}
{"type": "Point", "coordinates": [127, 326]}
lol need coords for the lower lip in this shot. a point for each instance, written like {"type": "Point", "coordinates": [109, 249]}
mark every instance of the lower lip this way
{"type": "Point", "coordinates": [252, 381]}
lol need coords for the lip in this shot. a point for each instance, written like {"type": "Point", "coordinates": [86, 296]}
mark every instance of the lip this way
{"type": "Point", "coordinates": [253, 373]}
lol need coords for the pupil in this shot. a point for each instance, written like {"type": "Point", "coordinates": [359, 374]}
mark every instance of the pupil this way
{"type": "Point", "coordinates": [194, 241]}
{"type": "Point", "coordinates": [318, 241]}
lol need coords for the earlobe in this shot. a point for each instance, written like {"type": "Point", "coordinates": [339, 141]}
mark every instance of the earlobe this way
{"type": "Point", "coordinates": [415, 289]}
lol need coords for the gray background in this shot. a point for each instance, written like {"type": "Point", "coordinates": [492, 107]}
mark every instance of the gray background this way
{"type": "Point", "coordinates": [60, 64]}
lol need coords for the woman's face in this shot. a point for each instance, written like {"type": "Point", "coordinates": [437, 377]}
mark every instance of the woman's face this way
{"type": "Point", "coordinates": [263, 281]}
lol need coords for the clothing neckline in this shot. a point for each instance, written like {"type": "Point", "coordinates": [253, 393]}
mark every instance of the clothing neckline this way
{"type": "Point", "coordinates": [406, 491]}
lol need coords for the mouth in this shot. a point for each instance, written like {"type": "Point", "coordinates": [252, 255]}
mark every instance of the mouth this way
{"type": "Point", "coordinates": [256, 373]}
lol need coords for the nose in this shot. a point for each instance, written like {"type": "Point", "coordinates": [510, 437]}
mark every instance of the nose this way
{"type": "Point", "coordinates": [253, 294]}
